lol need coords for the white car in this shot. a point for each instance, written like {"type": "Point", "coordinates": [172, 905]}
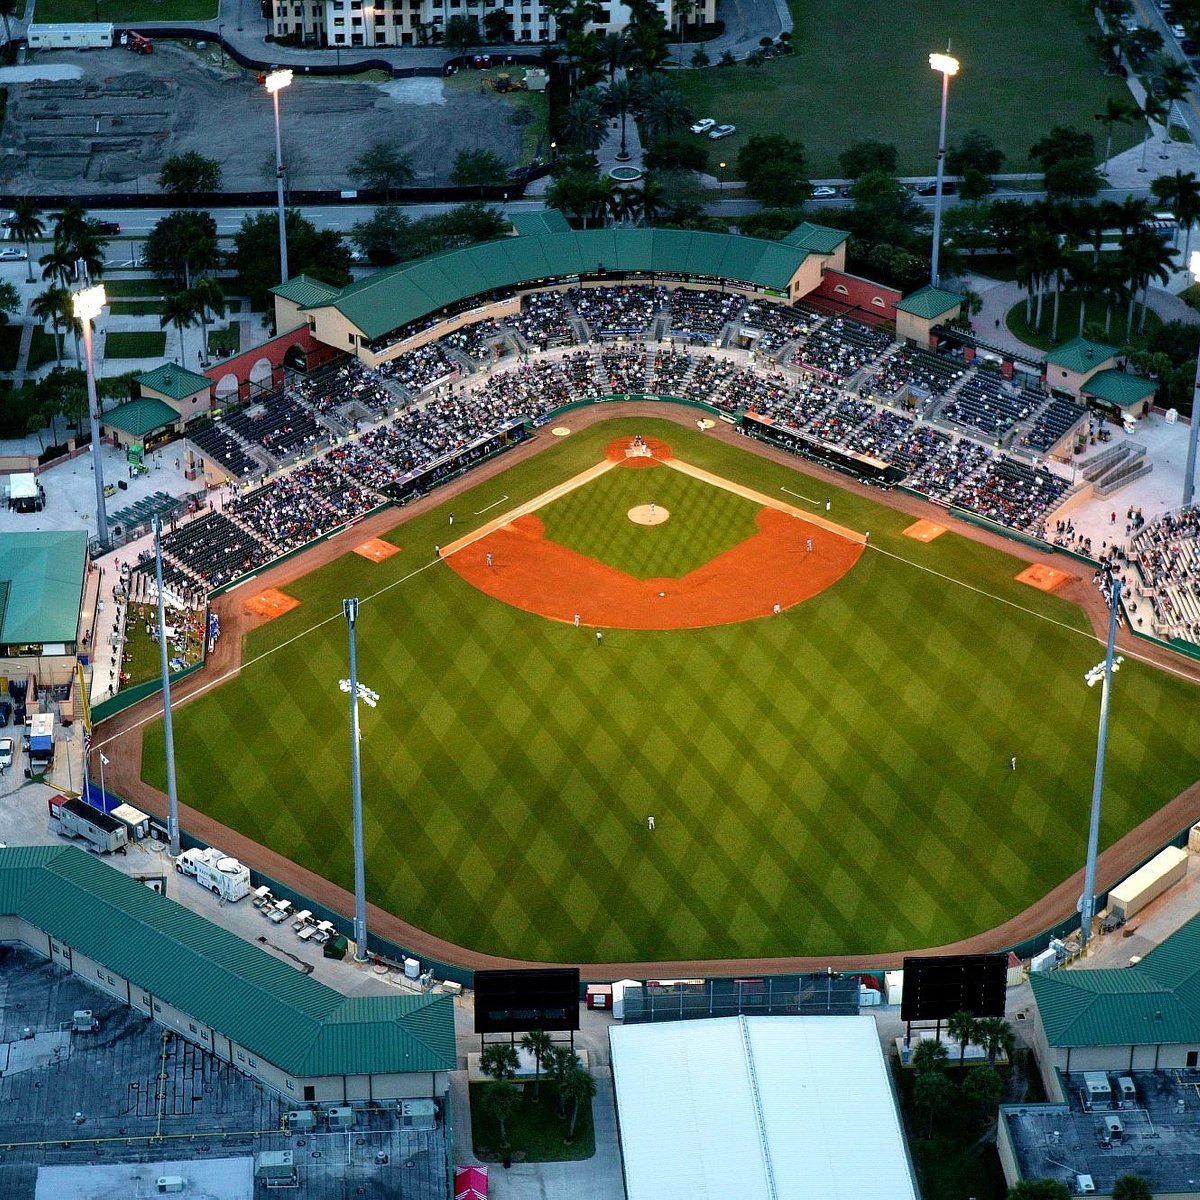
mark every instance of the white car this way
{"type": "Point", "coordinates": [6, 753]}
{"type": "Point", "coordinates": [1178, 32]}
{"type": "Point", "coordinates": [824, 193]}
{"type": "Point", "coordinates": [13, 254]}
{"type": "Point", "coordinates": [722, 131]}
{"type": "Point", "coordinates": [703, 125]}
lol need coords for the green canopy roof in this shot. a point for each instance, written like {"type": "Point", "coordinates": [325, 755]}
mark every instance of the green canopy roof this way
{"type": "Point", "coordinates": [42, 576]}
{"type": "Point", "coordinates": [1156, 1001]}
{"type": "Point", "coordinates": [392, 298]}
{"type": "Point", "coordinates": [229, 984]}
{"type": "Point", "coordinates": [543, 220]}
{"type": "Point", "coordinates": [175, 381]}
{"type": "Point", "coordinates": [820, 239]}
{"type": "Point", "coordinates": [1119, 387]}
{"type": "Point", "coordinates": [304, 290]}
{"type": "Point", "coordinates": [1080, 355]}
{"type": "Point", "coordinates": [142, 416]}
{"type": "Point", "coordinates": [930, 302]}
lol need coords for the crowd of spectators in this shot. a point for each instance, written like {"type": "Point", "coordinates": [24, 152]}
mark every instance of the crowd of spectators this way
{"type": "Point", "coordinates": [283, 425]}
{"type": "Point", "coordinates": [544, 320]}
{"type": "Point", "coordinates": [1053, 423]}
{"type": "Point", "coordinates": [214, 550]}
{"type": "Point", "coordinates": [919, 370]}
{"type": "Point", "coordinates": [349, 382]}
{"type": "Point", "coordinates": [779, 324]}
{"type": "Point", "coordinates": [477, 341]}
{"type": "Point", "coordinates": [1012, 493]}
{"type": "Point", "coordinates": [1166, 555]}
{"type": "Point", "coordinates": [420, 369]}
{"type": "Point", "coordinates": [839, 348]}
{"type": "Point", "coordinates": [700, 315]}
{"type": "Point", "coordinates": [220, 445]}
{"type": "Point", "coordinates": [612, 312]}
{"type": "Point", "coordinates": [985, 404]}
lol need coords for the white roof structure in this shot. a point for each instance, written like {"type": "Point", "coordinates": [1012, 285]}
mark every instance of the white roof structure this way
{"type": "Point", "coordinates": [762, 1108]}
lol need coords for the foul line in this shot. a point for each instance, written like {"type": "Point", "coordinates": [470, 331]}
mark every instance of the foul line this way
{"type": "Point", "coordinates": [481, 511]}
{"type": "Point", "coordinates": [806, 499]}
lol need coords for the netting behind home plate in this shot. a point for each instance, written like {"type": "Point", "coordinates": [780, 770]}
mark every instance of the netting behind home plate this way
{"type": "Point", "coordinates": [776, 995]}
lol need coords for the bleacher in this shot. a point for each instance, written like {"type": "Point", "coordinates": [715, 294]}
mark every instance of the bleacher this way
{"type": "Point", "coordinates": [1012, 493]}
{"type": "Point", "coordinates": [142, 512]}
{"type": "Point", "coordinates": [220, 445]}
{"type": "Point", "coordinates": [985, 404]}
{"type": "Point", "coordinates": [544, 320]}
{"type": "Point", "coordinates": [701, 315]}
{"type": "Point", "coordinates": [215, 550]}
{"type": "Point", "coordinates": [839, 348]}
{"type": "Point", "coordinates": [282, 425]}
{"type": "Point", "coordinates": [1053, 423]}
{"type": "Point", "coordinates": [612, 312]}
{"type": "Point", "coordinates": [918, 369]}
{"type": "Point", "coordinates": [780, 324]}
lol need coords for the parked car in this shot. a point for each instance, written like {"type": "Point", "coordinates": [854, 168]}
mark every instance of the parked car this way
{"type": "Point", "coordinates": [930, 188]}
{"type": "Point", "coordinates": [824, 193]}
{"type": "Point", "coordinates": [1178, 32]}
{"type": "Point", "coordinates": [109, 228]}
{"type": "Point", "coordinates": [13, 254]}
{"type": "Point", "coordinates": [6, 753]}
{"type": "Point", "coordinates": [703, 125]}
{"type": "Point", "coordinates": [722, 131]}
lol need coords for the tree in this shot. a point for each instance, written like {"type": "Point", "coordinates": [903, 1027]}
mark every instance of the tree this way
{"type": "Point", "coordinates": [207, 296]}
{"type": "Point", "coordinates": [1039, 1189]}
{"type": "Point", "coordinates": [1131, 1187]}
{"type": "Point", "coordinates": [929, 1056]}
{"type": "Point", "coordinates": [583, 124]}
{"type": "Point", "coordinates": [1176, 84]}
{"type": "Point", "coordinates": [961, 1027]}
{"type": "Point", "coordinates": [664, 111]}
{"type": "Point", "coordinates": [188, 173]}
{"type": "Point", "coordinates": [974, 151]}
{"type": "Point", "coordinates": [612, 46]}
{"type": "Point", "coordinates": [54, 305]}
{"type": "Point", "coordinates": [561, 1062]}
{"type": "Point", "coordinates": [616, 101]}
{"type": "Point", "coordinates": [1116, 112]}
{"type": "Point", "coordinates": [579, 1087]}
{"type": "Point", "coordinates": [499, 1060]}
{"type": "Point", "coordinates": [1067, 157]}
{"type": "Point", "coordinates": [461, 34]}
{"type": "Point", "coordinates": [179, 310]}
{"type": "Point", "coordinates": [27, 227]}
{"type": "Point", "coordinates": [932, 1092]}
{"type": "Point", "coordinates": [497, 25]}
{"type": "Point", "coordinates": [1182, 192]}
{"type": "Point", "coordinates": [684, 9]}
{"type": "Point", "coordinates": [323, 255]}
{"type": "Point", "coordinates": [180, 245]}
{"type": "Point", "coordinates": [577, 193]}
{"type": "Point", "coordinates": [58, 263]}
{"type": "Point", "coordinates": [389, 236]}
{"type": "Point", "coordinates": [382, 167]}
{"type": "Point", "coordinates": [477, 168]}
{"type": "Point", "coordinates": [7, 8]}
{"type": "Point", "coordinates": [1146, 257]}
{"type": "Point", "coordinates": [674, 154]}
{"type": "Point", "coordinates": [775, 170]}
{"type": "Point", "coordinates": [62, 393]}
{"type": "Point", "coordinates": [1153, 112]}
{"type": "Point", "coordinates": [499, 1099]}
{"type": "Point", "coordinates": [995, 1035]}
{"type": "Point", "coordinates": [700, 58]}
{"type": "Point", "coordinates": [538, 1043]}
{"type": "Point", "coordinates": [985, 1087]}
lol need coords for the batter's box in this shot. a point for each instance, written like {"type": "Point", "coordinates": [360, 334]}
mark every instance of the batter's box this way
{"type": "Point", "coordinates": [377, 550]}
{"type": "Point", "coordinates": [1044, 578]}
{"type": "Point", "coordinates": [924, 531]}
{"type": "Point", "coordinates": [270, 604]}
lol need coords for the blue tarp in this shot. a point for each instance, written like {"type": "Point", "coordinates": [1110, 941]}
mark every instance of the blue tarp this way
{"type": "Point", "coordinates": [42, 744]}
{"type": "Point", "coordinates": [105, 801]}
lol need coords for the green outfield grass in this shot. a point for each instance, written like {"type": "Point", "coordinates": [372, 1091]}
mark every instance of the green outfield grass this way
{"type": "Point", "coordinates": [704, 521]}
{"type": "Point", "coordinates": [834, 779]}
{"type": "Point", "coordinates": [860, 72]}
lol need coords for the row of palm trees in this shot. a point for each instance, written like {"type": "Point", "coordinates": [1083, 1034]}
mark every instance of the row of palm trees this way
{"type": "Point", "coordinates": [652, 97]}
{"type": "Point", "coordinates": [197, 305]}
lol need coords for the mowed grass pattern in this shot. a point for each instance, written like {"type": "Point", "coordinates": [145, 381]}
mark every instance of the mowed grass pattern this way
{"type": "Point", "coordinates": [704, 521]}
{"type": "Point", "coordinates": [832, 780]}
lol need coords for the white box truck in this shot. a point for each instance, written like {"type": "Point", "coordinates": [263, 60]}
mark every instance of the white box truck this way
{"type": "Point", "coordinates": [223, 876]}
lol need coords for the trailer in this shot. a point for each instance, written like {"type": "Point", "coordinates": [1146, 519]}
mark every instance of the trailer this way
{"type": "Point", "coordinates": [103, 833]}
{"type": "Point", "coordinates": [41, 741]}
{"type": "Point", "coordinates": [223, 876]}
{"type": "Point", "coordinates": [81, 36]}
{"type": "Point", "coordinates": [136, 821]}
{"type": "Point", "coordinates": [1147, 883]}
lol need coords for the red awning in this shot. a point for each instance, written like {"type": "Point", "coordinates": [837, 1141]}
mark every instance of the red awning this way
{"type": "Point", "coordinates": [470, 1183]}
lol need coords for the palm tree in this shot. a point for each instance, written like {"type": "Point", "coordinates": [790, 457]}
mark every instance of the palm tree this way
{"type": "Point", "coordinates": [929, 1056]}
{"type": "Point", "coordinates": [616, 101]}
{"type": "Point", "coordinates": [613, 48]}
{"type": "Point", "coordinates": [1154, 112]}
{"type": "Point", "coordinates": [179, 310]}
{"type": "Point", "coordinates": [1177, 82]}
{"type": "Point", "coordinates": [1182, 192]}
{"type": "Point", "coordinates": [562, 1061]}
{"type": "Point", "coordinates": [53, 305]}
{"type": "Point", "coordinates": [684, 8]}
{"type": "Point", "coordinates": [58, 263]}
{"type": "Point", "coordinates": [538, 1043]}
{"type": "Point", "coordinates": [584, 124]}
{"type": "Point", "coordinates": [27, 227]}
{"type": "Point", "coordinates": [1116, 112]}
{"type": "Point", "coordinates": [1034, 258]}
{"type": "Point", "coordinates": [208, 297]}
{"type": "Point", "coordinates": [70, 223]}
{"type": "Point", "coordinates": [499, 1099]}
{"type": "Point", "coordinates": [7, 8]}
{"type": "Point", "coordinates": [499, 1060]}
{"type": "Point", "coordinates": [579, 1087]}
{"type": "Point", "coordinates": [664, 110]}
{"type": "Point", "coordinates": [652, 201]}
{"type": "Point", "coordinates": [995, 1035]}
{"type": "Point", "coordinates": [962, 1028]}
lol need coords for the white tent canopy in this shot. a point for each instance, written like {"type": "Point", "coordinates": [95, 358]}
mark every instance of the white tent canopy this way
{"type": "Point", "coordinates": [22, 486]}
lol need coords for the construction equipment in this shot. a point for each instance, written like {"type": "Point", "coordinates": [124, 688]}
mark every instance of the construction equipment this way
{"type": "Point", "coordinates": [506, 83]}
{"type": "Point", "coordinates": [132, 40]}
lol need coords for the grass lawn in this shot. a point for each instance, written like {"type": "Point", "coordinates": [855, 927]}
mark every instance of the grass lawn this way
{"type": "Point", "coordinates": [135, 344]}
{"type": "Point", "coordinates": [10, 345]}
{"type": "Point", "coordinates": [133, 287]}
{"type": "Point", "coordinates": [860, 72]}
{"type": "Point", "coordinates": [224, 343]}
{"type": "Point", "coordinates": [43, 348]}
{"type": "Point", "coordinates": [135, 308]}
{"type": "Point", "coordinates": [128, 11]}
{"type": "Point", "coordinates": [145, 661]}
{"type": "Point", "coordinates": [857, 744]}
{"type": "Point", "coordinates": [536, 1133]}
{"type": "Point", "coordinates": [1068, 322]}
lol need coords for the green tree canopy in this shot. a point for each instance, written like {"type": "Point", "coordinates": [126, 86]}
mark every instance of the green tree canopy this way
{"type": "Point", "coordinates": [477, 167]}
{"type": "Point", "coordinates": [1067, 157]}
{"type": "Point", "coordinates": [974, 151]}
{"type": "Point", "coordinates": [1131, 1187]}
{"type": "Point", "coordinates": [388, 236]}
{"type": "Point", "coordinates": [382, 167]}
{"type": "Point", "coordinates": [181, 245]}
{"type": "Point", "coordinates": [862, 157]}
{"type": "Point", "coordinates": [675, 154]}
{"type": "Point", "coordinates": [188, 173]}
{"type": "Point", "coordinates": [775, 170]}
{"type": "Point", "coordinates": [1039, 1189]}
{"type": "Point", "coordinates": [319, 253]}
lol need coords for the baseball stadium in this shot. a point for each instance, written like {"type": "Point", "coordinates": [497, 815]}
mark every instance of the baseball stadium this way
{"type": "Point", "coordinates": [718, 614]}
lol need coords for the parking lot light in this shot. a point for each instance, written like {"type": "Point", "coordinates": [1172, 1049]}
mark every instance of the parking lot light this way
{"type": "Point", "coordinates": [88, 304]}
{"type": "Point", "coordinates": [947, 66]}
{"type": "Point", "coordinates": [275, 82]}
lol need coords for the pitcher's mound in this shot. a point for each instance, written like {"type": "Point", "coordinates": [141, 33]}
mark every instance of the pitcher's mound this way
{"type": "Point", "coordinates": [648, 514]}
{"type": "Point", "coordinates": [271, 603]}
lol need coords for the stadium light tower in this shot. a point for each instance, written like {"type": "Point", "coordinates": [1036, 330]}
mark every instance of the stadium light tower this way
{"type": "Point", "coordinates": [168, 731]}
{"type": "Point", "coordinates": [1102, 674]}
{"type": "Point", "coordinates": [368, 697]}
{"type": "Point", "coordinates": [88, 304]}
{"type": "Point", "coordinates": [948, 66]}
{"type": "Point", "coordinates": [276, 81]}
{"type": "Point", "coordinates": [1189, 471]}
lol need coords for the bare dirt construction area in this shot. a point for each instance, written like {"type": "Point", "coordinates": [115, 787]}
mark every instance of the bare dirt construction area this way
{"type": "Point", "coordinates": [112, 126]}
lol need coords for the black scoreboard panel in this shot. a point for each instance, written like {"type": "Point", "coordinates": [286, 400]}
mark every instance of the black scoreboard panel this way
{"type": "Point", "coordinates": [519, 1001]}
{"type": "Point", "coordinates": [937, 988]}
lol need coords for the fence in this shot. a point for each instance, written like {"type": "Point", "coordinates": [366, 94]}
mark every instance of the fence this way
{"type": "Point", "coordinates": [778, 995]}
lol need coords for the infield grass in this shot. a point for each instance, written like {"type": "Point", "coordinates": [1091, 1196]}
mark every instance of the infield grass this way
{"type": "Point", "coordinates": [860, 72]}
{"type": "Point", "coordinates": [831, 780]}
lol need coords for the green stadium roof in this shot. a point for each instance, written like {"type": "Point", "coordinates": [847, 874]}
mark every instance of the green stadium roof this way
{"type": "Point", "coordinates": [175, 381]}
{"type": "Point", "coordinates": [140, 417]}
{"type": "Point", "coordinates": [214, 976]}
{"type": "Point", "coordinates": [820, 239]}
{"type": "Point", "coordinates": [543, 220]}
{"type": "Point", "coordinates": [305, 291]}
{"type": "Point", "coordinates": [1119, 387]}
{"type": "Point", "coordinates": [1155, 1001]}
{"type": "Point", "coordinates": [1080, 355]}
{"type": "Point", "coordinates": [389, 299]}
{"type": "Point", "coordinates": [42, 575]}
{"type": "Point", "coordinates": [930, 302]}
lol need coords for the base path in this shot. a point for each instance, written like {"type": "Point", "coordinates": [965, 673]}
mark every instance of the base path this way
{"type": "Point", "coordinates": [121, 735]}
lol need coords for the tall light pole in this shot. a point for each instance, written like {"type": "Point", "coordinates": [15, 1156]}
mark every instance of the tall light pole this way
{"type": "Point", "coordinates": [168, 732]}
{"type": "Point", "coordinates": [357, 692]}
{"type": "Point", "coordinates": [1102, 673]}
{"type": "Point", "coordinates": [275, 83]}
{"type": "Point", "coordinates": [947, 66]}
{"type": "Point", "coordinates": [1189, 471]}
{"type": "Point", "coordinates": [87, 306]}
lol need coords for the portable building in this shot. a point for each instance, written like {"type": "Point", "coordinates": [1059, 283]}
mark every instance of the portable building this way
{"type": "Point", "coordinates": [1147, 883]}
{"type": "Point", "coordinates": [80, 820]}
{"type": "Point", "coordinates": [80, 36]}
{"type": "Point", "coordinates": [136, 821]}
